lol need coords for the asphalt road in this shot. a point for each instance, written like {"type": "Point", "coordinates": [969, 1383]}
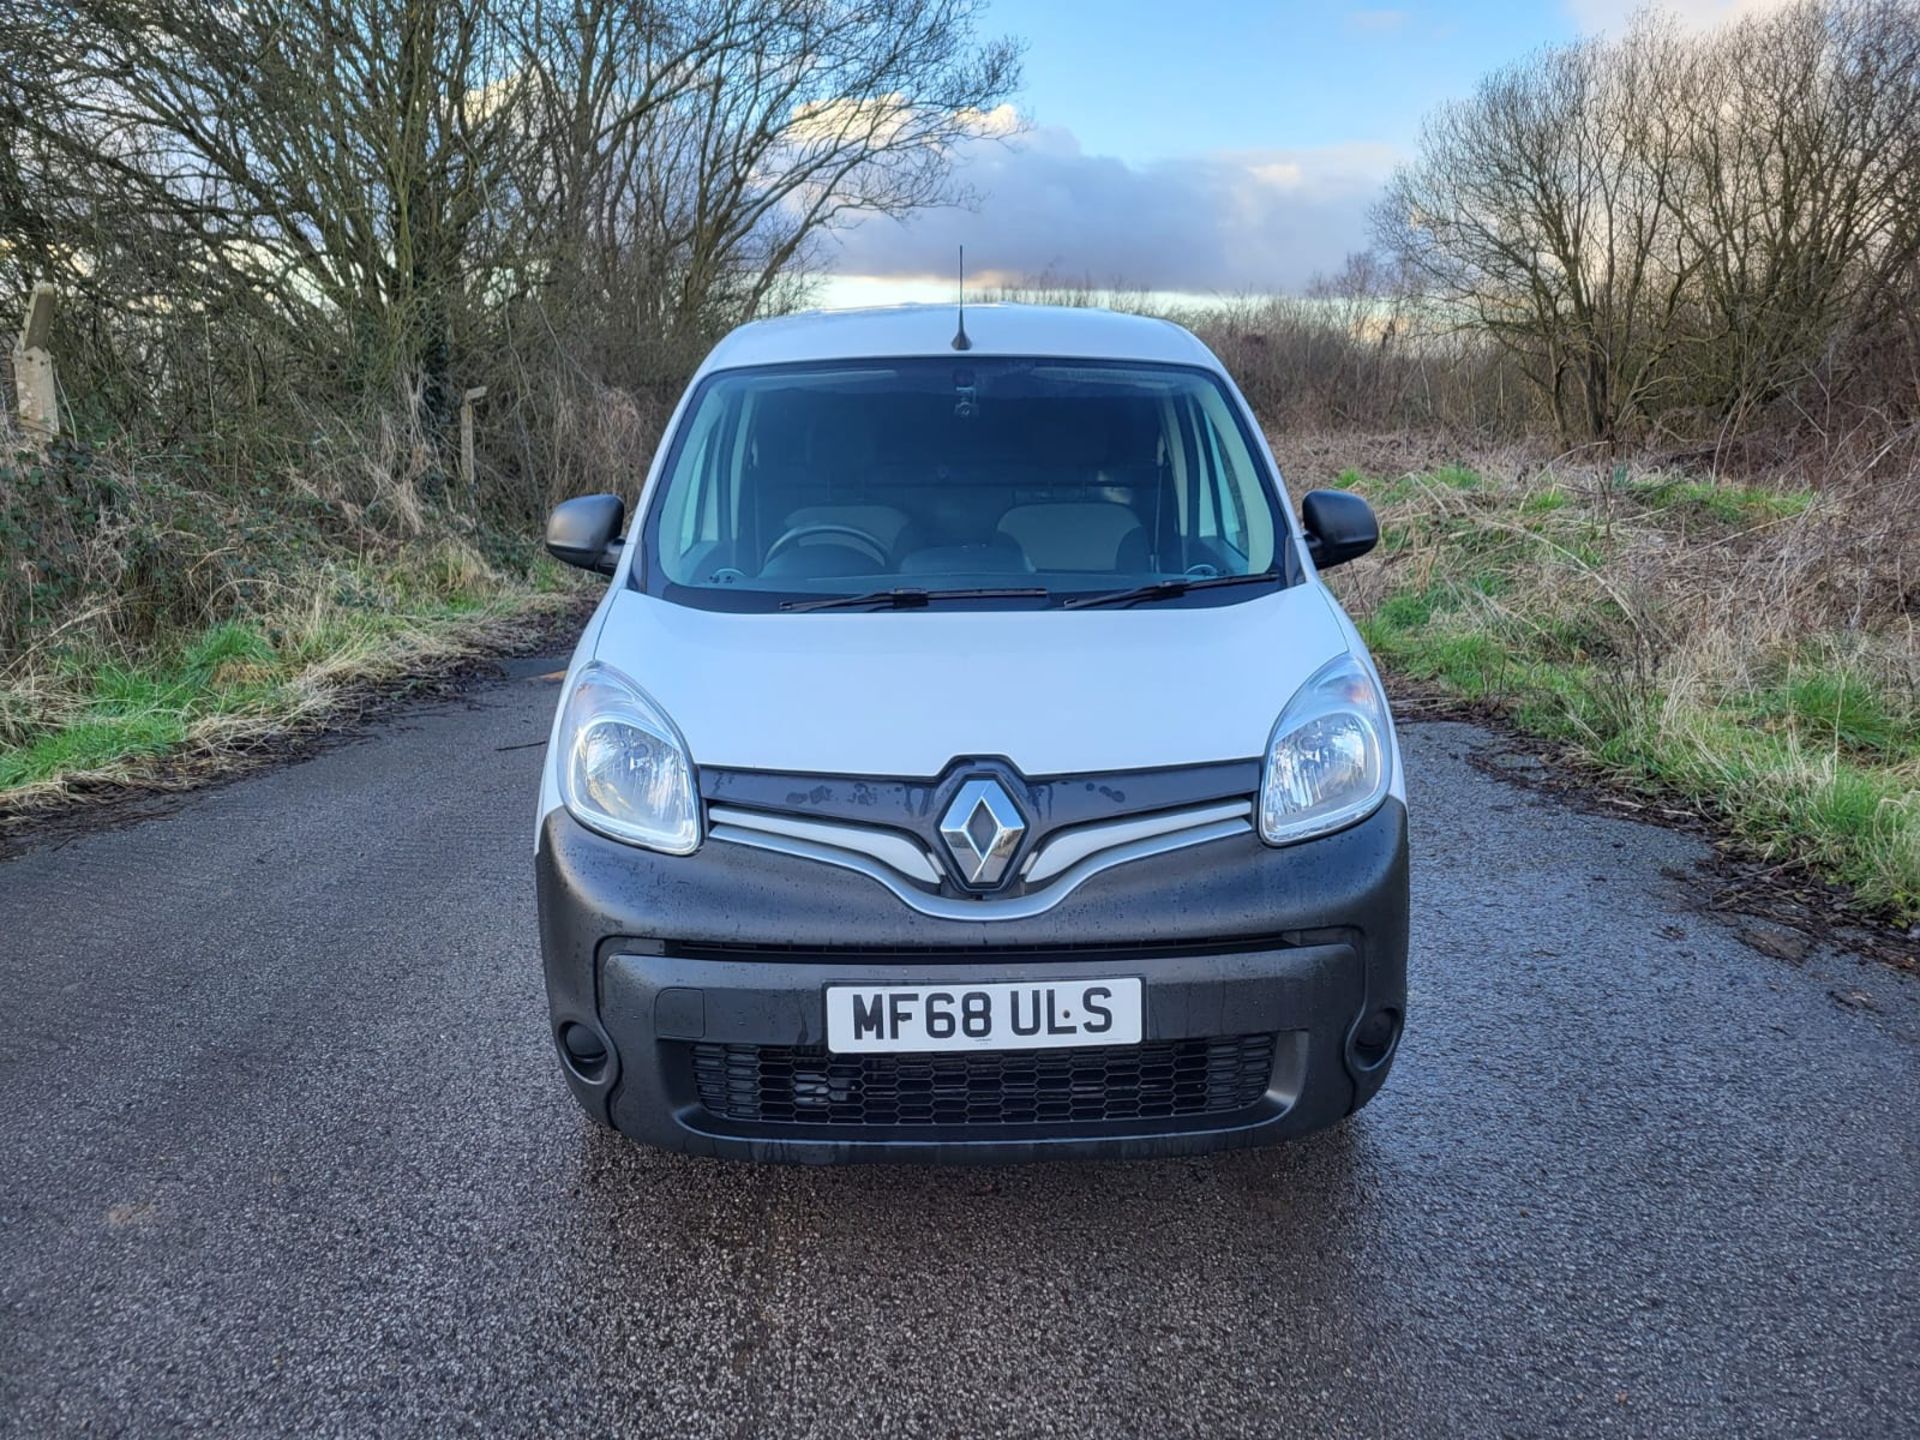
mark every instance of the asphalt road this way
{"type": "Point", "coordinates": [283, 1150]}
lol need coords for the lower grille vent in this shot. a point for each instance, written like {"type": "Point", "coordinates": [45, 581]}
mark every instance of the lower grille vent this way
{"type": "Point", "coordinates": [805, 1085]}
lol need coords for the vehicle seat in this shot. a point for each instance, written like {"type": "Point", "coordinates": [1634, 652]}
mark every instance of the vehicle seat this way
{"type": "Point", "coordinates": [1092, 535]}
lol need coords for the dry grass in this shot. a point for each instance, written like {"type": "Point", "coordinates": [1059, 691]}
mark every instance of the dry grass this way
{"type": "Point", "coordinates": [1751, 646]}
{"type": "Point", "coordinates": [81, 720]}
{"type": "Point", "coordinates": [161, 618]}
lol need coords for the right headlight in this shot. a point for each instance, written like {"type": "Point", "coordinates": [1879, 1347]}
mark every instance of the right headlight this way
{"type": "Point", "coordinates": [623, 768]}
{"type": "Point", "coordinates": [1330, 759]}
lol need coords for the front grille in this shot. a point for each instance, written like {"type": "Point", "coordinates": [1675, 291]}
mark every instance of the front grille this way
{"type": "Point", "coordinates": [1159, 1080]}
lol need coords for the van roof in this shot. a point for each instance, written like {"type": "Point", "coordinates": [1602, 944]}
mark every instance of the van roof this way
{"type": "Point", "coordinates": [896, 330]}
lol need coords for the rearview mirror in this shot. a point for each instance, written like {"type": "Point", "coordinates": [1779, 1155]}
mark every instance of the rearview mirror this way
{"type": "Point", "coordinates": [585, 530]}
{"type": "Point", "coordinates": [1340, 527]}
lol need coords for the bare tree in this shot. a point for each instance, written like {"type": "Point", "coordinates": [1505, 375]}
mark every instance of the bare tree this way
{"type": "Point", "coordinates": [311, 168]}
{"type": "Point", "coordinates": [1662, 230]}
{"type": "Point", "coordinates": [686, 162]}
{"type": "Point", "coordinates": [365, 192]}
{"type": "Point", "coordinates": [1803, 151]}
{"type": "Point", "coordinates": [1540, 211]}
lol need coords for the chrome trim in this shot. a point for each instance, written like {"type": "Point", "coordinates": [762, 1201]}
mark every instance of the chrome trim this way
{"type": "Point", "coordinates": [982, 865]}
{"type": "Point", "coordinates": [1070, 847]}
{"type": "Point", "coordinates": [941, 907]}
{"type": "Point", "coordinates": [885, 846]}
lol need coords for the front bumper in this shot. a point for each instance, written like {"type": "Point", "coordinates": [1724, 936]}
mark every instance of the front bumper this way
{"type": "Point", "coordinates": [670, 961]}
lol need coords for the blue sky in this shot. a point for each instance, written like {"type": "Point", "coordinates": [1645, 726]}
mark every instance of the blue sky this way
{"type": "Point", "coordinates": [1204, 146]}
{"type": "Point", "coordinates": [1148, 81]}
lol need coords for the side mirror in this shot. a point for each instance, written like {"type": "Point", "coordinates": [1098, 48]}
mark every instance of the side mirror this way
{"type": "Point", "coordinates": [584, 532]}
{"type": "Point", "coordinates": [1340, 527]}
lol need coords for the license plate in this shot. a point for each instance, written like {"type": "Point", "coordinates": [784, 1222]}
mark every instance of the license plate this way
{"type": "Point", "coordinates": [1018, 1016]}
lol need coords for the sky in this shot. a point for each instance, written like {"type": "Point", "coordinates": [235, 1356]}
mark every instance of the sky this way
{"type": "Point", "coordinates": [1202, 147]}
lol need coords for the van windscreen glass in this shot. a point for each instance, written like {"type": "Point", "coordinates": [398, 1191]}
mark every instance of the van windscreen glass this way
{"type": "Point", "coordinates": [1056, 479]}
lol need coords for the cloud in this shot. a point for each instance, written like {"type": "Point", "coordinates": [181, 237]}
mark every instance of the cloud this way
{"type": "Point", "coordinates": [883, 116]}
{"type": "Point", "coordinates": [1245, 220]}
{"type": "Point", "coordinates": [1614, 16]}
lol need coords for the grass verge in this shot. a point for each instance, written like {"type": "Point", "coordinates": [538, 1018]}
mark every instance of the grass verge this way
{"type": "Point", "coordinates": [1749, 647]}
{"type": "Point", "coordinates": [79, 716]}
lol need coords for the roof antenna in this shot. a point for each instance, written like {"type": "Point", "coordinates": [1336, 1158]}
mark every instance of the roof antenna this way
{"type": "Point", "coordinates": [960, 340]}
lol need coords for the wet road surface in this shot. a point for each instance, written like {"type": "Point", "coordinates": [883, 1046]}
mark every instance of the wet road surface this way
{"type": "Point", "coordinates": [283, 1150]}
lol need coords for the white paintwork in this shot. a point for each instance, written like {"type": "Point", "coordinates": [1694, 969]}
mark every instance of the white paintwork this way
{"type": "Point", "coordinates": [904, 693]}
{"type": "Point", "coordinates": [895, 330]}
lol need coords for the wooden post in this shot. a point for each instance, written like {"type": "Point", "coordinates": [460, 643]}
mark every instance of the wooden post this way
{"type": "Point", "coordinates": [467, 402]}
{"type": "Point", "coordinates": [33, 380]}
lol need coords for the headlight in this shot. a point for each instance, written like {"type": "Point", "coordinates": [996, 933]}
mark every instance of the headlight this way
{"type": "Point", "coordinates": [1329, 762]}
{"type": "Point", "coordinates": [624, 770]}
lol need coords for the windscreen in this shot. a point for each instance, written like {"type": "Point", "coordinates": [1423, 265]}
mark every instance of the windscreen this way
{"type": "Point", "coordinates": [1071, 477]}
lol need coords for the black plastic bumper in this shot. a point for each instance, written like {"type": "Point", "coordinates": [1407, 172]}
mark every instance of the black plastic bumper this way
{"type": "Point", "coordinates": [655, 954]}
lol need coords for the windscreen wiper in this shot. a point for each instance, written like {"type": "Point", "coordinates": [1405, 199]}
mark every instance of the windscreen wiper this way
{"type": "Point", "coordinates": [1167, 589]}
{"type": "Point", "coordinates": [910, 598]}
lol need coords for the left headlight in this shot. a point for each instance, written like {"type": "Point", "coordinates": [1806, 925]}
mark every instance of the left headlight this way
{"type": "Point", "coordinates": [1330, 759]}
{"type": "Point", "coordinates": [623, 768]}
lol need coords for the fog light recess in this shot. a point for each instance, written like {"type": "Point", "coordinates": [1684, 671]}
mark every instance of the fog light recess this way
{"type": "Point", "coordinates": [1374, 1038]}
{"type": "Point", "coordinates": [583, 1050]}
